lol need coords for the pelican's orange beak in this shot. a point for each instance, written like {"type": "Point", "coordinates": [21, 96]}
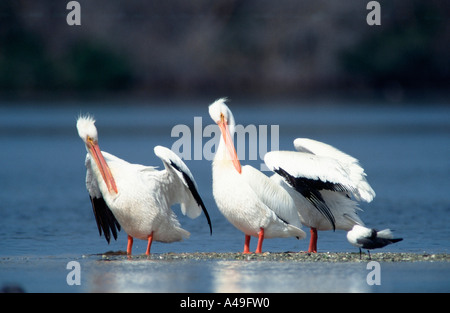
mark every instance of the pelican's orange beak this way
{"type": "Point", "coordinates": [229, 143]}
{"type": "Point", "coordinates": [102, 165]}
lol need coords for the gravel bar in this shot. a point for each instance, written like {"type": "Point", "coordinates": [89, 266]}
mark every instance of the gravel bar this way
{"type": "Point", "coordinates": [288, 256]}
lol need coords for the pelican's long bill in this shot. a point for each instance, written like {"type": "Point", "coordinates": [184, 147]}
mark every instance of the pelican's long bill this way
{"type": "Point", "coordinates": [229, 143]}
{"type": "Point", "coordinates": [103, 167]}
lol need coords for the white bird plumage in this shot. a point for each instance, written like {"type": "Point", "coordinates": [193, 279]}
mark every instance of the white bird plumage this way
{"type": "Point", "coordinates": [321, 179]}
{"type": "Point", "coordinates": [369, 238]}
{"type": "Point", "coordinates": [248, 199]}
{"type": "Point", "coordinates": [135, 197]}
{"type": "Point", "coordinates": [362, 191]}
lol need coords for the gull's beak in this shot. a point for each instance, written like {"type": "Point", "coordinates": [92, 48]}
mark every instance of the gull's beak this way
{"type": "Point", "coordinates": [229, 143]}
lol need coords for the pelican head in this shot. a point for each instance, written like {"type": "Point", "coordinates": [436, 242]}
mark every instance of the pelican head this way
{"type": "Point", "coordinates": [88, 133]}
{"type": "Point", "coordinates": [220, 112]}
{"type": "Point", "coordinates": [222, 116]}
{"type": "Point", "coordinates": [86, 128]}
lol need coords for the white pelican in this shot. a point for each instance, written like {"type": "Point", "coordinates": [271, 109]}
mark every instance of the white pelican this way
{"type": "Point", "coordinates": [321, 179]}
{"type": "Point", "coordinates": [135, 197]}
{"type": "Point", "coordinates": [369, 238]}
{"type": "Point", "coordinates": [246, 197]}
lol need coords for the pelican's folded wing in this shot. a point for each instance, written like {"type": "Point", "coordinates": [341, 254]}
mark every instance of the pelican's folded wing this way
{"type": "Point", "coordinates": [275, 198]}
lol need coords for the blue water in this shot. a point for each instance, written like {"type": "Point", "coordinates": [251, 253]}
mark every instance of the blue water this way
{"type": "Point", "coordinates": [45, 210]}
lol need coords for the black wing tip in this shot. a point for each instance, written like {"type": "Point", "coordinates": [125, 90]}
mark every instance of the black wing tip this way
{"type": "Point", "coordinates": [194, 193]}
{"type": "Point", "coordinates": [209, 222]}
{"type": "Point", "coordinates": [369, 243]}
{"type": "Point", "coordinates": [105, 219]}
{"type": "Point", "coordinates": [202, 205]}
{"type": "Point", "coordinates": [318, 202]}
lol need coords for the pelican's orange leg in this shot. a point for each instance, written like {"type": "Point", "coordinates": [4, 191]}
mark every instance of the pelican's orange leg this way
{"type": "Point", "coordinates": [149, 244]}
{"type": "Point", "coordinates": [130, 244]}
{"type": "Point", "coordinates": [313, 241]}
{"type": "Point", "coordinates": [247, 244]}
{"type": "Point", "coordinates": [260, 240]}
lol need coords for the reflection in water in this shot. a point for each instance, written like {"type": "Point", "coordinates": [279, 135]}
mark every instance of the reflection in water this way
{"type": "Point", "coordinates": [254, 276]}
{"type": "Point", "coordinates": [225, 276]}
{"type": "Point", "coordinates": [146, 276]}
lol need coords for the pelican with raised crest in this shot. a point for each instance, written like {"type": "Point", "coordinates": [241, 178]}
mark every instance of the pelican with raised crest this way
{"type": "Point", "coordinates": [135, 197]}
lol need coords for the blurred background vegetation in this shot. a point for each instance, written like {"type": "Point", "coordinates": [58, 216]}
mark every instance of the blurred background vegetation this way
{"type": "Point", "coordinates": [223, 47]}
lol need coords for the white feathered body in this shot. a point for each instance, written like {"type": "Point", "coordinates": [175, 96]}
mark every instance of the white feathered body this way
{"type": "Point", "coordinates": [143, 203]}
{"type": "Point", "coordinates": [250, 201]}
{"type": "Point", "coordinates": [369, 238]}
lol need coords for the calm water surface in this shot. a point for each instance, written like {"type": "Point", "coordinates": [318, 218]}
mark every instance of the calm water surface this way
{"type": "Point", "coordinates": [46, 219]}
